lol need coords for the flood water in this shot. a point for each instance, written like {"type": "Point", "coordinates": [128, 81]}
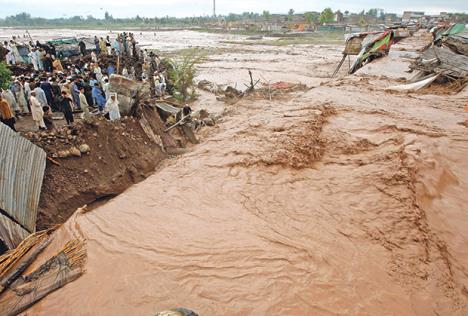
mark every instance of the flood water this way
{"type": "Point", "coordinates": [340, 200]}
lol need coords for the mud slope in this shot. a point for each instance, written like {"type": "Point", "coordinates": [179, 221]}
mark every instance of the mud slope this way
{"type": "Point", "coordinates": [343, 200]}
{"type": "Point", "coordinates": [120, 154]}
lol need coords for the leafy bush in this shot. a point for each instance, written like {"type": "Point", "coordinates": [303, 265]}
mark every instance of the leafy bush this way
{"type": "Point", "coordinates": [5, 75]}
{"type": "Point", "coordinates": [183, 72]}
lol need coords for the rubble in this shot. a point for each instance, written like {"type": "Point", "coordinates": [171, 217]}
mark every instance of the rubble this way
{"type": "Point", "coordinates": [84, 149]}
{"type": "Point", "coordinates": [367, 46]}
{"type": "Point", "coordinates": [444, 61]}
{"type": "Point", "coordinates": [22, 286]}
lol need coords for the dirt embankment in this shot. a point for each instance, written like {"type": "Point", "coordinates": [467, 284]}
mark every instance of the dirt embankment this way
{"type": "Point", "coordinates": [97, 160]}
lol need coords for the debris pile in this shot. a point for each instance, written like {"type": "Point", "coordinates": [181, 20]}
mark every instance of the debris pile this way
{"type": "Point", "coordinates": [444, 61]}
{"type": "Point", "coordinates": [21, 288]}
{"type": "Point", "coordinates": [367, 46]}
{"type": "Point", "coordinates": [267, 90]}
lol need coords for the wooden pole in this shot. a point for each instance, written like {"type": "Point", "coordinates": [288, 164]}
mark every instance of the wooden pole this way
{"type": "Point", "coordinates": [339, 65]}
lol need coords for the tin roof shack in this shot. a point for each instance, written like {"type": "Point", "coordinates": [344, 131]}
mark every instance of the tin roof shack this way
{"type": "Point", "coordinates": [65, 47]}
{"type": "Point", "coordinates": [367, 46]}
{"type": "Point", "coordinates": [443, 62]}
{"type": "Point", "coordinates": [22, 166]}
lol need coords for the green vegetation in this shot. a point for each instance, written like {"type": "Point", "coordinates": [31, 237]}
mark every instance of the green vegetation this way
{"type": "Point", "coordinates": [5, 75]}
{"type": "Point", "coordinates": [290, 14]}
{"type": "Point", "coordinates": [327, 16]}
{"type": "Point", "coordinates": [183, 72]}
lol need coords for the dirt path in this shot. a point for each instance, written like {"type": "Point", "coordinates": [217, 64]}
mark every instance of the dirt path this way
{"type": "Point", "coordinates": [343, 200]}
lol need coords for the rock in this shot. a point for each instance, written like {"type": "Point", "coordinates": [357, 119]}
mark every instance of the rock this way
{"type": "Point", "coordinates": [209, 121]}
{"type": "Point", "coordinates": [84, 148]}
{"type": "Point", "coordinates": [63, 154]}
{"type": "Point", "coordinates": [75, 152]}
{"type": "Point", "coordinates": [204, 114]}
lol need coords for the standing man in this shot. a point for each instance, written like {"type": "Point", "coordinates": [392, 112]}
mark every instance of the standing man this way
{"type": "Point", "coordinates": [96, 43]}
{"type": "Point", "coordinates": [82, 47]}
{"type": "Point", "coordinates": [105, 88]}
{"type": "Point", "coordinates": [98, 97]}
{"type": "Point", "coordinates": [20, 97]}
{"type": "Point", "coordinates": [34, 61]}
{"type": "Point", "coordinates": [66, 107]}
{"type": "Point", "coordinates": [40, 95]}
{"type": "Point", "coordinates": [56, 91]}
{"type": "Point", "coordinates": [47, 87]}
{"type": "Point", "coordinates": [8, 95]}
{"type": "Point", "coordinates": [75, 92]}
{"type": "Point", "coordinates": [84, 104]}
{"type": "Point", "coordinates": [6, 116]}
{"type": "Point", "coordinates": [37, 112]}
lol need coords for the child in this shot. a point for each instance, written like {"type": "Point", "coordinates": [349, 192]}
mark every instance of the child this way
{"type": "Point", "coordinates": [48, 120]}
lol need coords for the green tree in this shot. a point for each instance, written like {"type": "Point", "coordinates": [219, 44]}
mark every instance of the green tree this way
{"type": "Point", "coordinates": [309, 17]}
{"type": "Point", "coordinates": [183, 72]}
{"type": "Point", "coordinates": [373, 12]}
{"type": "Point", "coordinates": [108, 16]}
{"type": "Point", "coordinates": [290, 14]}
{"type": "Point", "coordinates": [327, 16]}
{"type": "Point", "coordinates": [5, 75]}
{"type": "Point", "coordinates": [266, 15]}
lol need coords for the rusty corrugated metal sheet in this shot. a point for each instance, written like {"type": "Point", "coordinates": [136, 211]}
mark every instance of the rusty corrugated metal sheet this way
{"type": "Point", "coordinates": [22, 166]}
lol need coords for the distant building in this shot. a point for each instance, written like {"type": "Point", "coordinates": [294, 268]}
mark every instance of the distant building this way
{"type": "Point", "coordinates": [339, 17]}
{"type": "Point", "coordinates": [444, 15]}
{"type": "Point", "coordinates": [412, 16]}
{"type": "Point", "coordinates": [391, 18]}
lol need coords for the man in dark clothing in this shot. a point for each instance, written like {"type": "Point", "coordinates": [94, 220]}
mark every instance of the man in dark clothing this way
{"type": "Point", "coordinates": [48, 119]}
{"type": "Point", "coordinates": [82, 47]}
{"type": "Point", "coordinates": [56, 92]}
{"type": "Point", "coordinates": [66, 107]}
{"type": "Point", "coordinates": [88, 92]}
{"type": "Point", "coordinates": [96, 43]}
{"type": "Point", "coordinates": [47, 87]}
{"type": "Point", "coordinates": [47, 62]}
{"type": "Point", "coordinates": [138, 71]}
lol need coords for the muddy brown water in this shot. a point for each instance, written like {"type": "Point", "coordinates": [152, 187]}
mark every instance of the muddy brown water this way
{"type": "Point", "coordinates": [342, 200]}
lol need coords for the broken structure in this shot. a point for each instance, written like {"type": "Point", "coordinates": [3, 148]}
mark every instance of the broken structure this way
{"type": "Point", "coordinates": [21, 173]}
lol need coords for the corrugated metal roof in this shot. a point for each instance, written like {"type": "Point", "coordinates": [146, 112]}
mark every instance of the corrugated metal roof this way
{"type": "Point", "coordinates": [168, 108]}
{"type": "Point", "coordinates": [11, 233]}
{"type": "Point", "coordinates": [22, 166]}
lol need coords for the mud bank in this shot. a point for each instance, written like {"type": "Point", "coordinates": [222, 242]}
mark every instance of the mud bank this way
{"type": "Point", "coordinates": [119, 154]}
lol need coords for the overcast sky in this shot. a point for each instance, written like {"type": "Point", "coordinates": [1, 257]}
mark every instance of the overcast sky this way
{"type": "Point", "coordinates": [180, 8]}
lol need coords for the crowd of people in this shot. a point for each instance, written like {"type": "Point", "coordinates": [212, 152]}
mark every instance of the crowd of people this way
{"type": "Point", "coordinates": [78, 87]}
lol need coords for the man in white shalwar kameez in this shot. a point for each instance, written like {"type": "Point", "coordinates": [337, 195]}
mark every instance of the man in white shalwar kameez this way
{"type": "Point", "coordinates": [36, 111]}
{"type": "Point", "coordinates": [112, 107]}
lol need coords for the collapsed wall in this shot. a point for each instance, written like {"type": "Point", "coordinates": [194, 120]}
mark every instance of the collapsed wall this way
{"type": "Point", "coordinates": [96, 160]}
